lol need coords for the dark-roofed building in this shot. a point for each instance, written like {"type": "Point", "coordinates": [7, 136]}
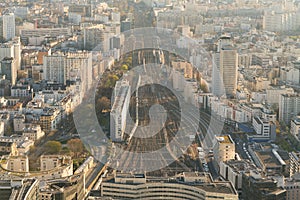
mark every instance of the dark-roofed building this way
{"type": "Point", "coordinates": [25, 189]}
{"type": "Point", "coordinates": [9, 69]}
{"type": "Point", "coordinates": [8, 148]}
{"type": "Point", "coordinates": [4, 86]}
{"type": "Point", "coordinates": [64, 189]}
{"type": "Point", "coordinates": [270, 159]}
{"type": "Point", "coordinates": [258, 187]}
{"type": "Point", "coordinates": [233, 170]}
{"type": "Point", "coordinates": [20, 91]}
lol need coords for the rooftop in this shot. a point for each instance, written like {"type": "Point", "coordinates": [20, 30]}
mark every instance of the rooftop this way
{"type": "Point", "coordinates": [16, 189]}
{"type": "Point", "coordinates": [209, 185]}
{"type": "Point", "coordinates": [241, 165]}
{"type": "Point", "coordinates": [225, 139]}
{"type": "Point", "coordinates": [268, 159]}
{"type": "Point", "coordinates": [221, 187]}
{"type": "Point", "coordinates": [228, 48]}
{"type": "Point", "coordinates": [290, 95]}
{"type": "Point", "coordinates": [297, 120]}
{"type": "Point", "coordinates": [129, 175]}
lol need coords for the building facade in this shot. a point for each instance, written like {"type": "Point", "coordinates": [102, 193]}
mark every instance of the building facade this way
{"type": "Point", "coordinates": [264, 129]}
{"type": "Point", "coordinates": [294, 163]}
{"type": "Point", "coordinates": [9, 69]}
{"type": "Point", "coordinates": [257, 187]}
{"type": "Point", "coordinates": [17, 164]}
{"type": "Point", "coordinates": [295, 127]}
{"type": "Point", "coordinates": [289, 107]}
{"type": "Point", "coordinates": [225, 69]}
{"type": "Point", "coordinates": [19, 122]}
{"type": "Point", "coordinates": [224, 149]}
{"type": "Point", "coordinates": [33, 132]}
{"type": "Point", "coordinates": [137, 186]}
{"type": "Point", "coordinates": [9, 26]}
{"type": "Point", "coordinates": [118, 114]}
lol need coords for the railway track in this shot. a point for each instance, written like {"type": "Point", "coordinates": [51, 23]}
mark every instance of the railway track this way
{"type": "Point", "coordinates": [130, 156]}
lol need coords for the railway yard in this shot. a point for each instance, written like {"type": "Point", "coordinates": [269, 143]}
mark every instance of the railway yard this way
{"type": "Point", "coordinates": [159, 144]}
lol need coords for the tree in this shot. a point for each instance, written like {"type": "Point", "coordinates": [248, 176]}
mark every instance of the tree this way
{"type": "Point", "coordinates": [113, 77]}
{"type": "Point", "coordinates": [65, 150]}
{"type": "Point", "coordinates": [129, 61]}
{"type": "Point", "coordinates": [124, 67]}
{"type": "Point", "coordinates": [103, 104]}
{"type": "Point", "coordinates": [76, 146]}
{"type": "Point", "coordinates": [107, 83]}
{"type": "Point", "coordinates": [18, 21]}
{"type": "Point", "coordinates": [9, 130]}
{"type": "Point", "coordinates": [52, 147]}
{"type": "Point", "coordinates": [111, 81]}
{"type": "Point", "coordinates": [204, 87]}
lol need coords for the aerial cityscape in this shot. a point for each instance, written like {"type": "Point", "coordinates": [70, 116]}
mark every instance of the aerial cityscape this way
{"type": "Point", "coordinates": [150, 99]}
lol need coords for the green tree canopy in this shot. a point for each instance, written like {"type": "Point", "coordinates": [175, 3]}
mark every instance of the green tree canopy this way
{"type": "Point", "coordinates": [111, 81]}
{"type": "Point", "coordinates": [52, 147]}
{"type": "Point", "coordinates": [124, 67]}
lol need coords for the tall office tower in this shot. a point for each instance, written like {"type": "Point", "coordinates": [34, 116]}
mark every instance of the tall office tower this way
{"type": "Point", "coordinates": [217, 86]}
{"type": "Point", "coordinates": [225, 68]}
{"type": "Point", "coordinates": [289, 107]}
{"type": "Point", "coordinates": [9, 69]}
{"type": "Point", "coordinates": [9, 26]}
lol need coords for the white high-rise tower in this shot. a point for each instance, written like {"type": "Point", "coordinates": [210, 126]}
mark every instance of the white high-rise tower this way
{"type": "Point", "coordinates": [9, 27]}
